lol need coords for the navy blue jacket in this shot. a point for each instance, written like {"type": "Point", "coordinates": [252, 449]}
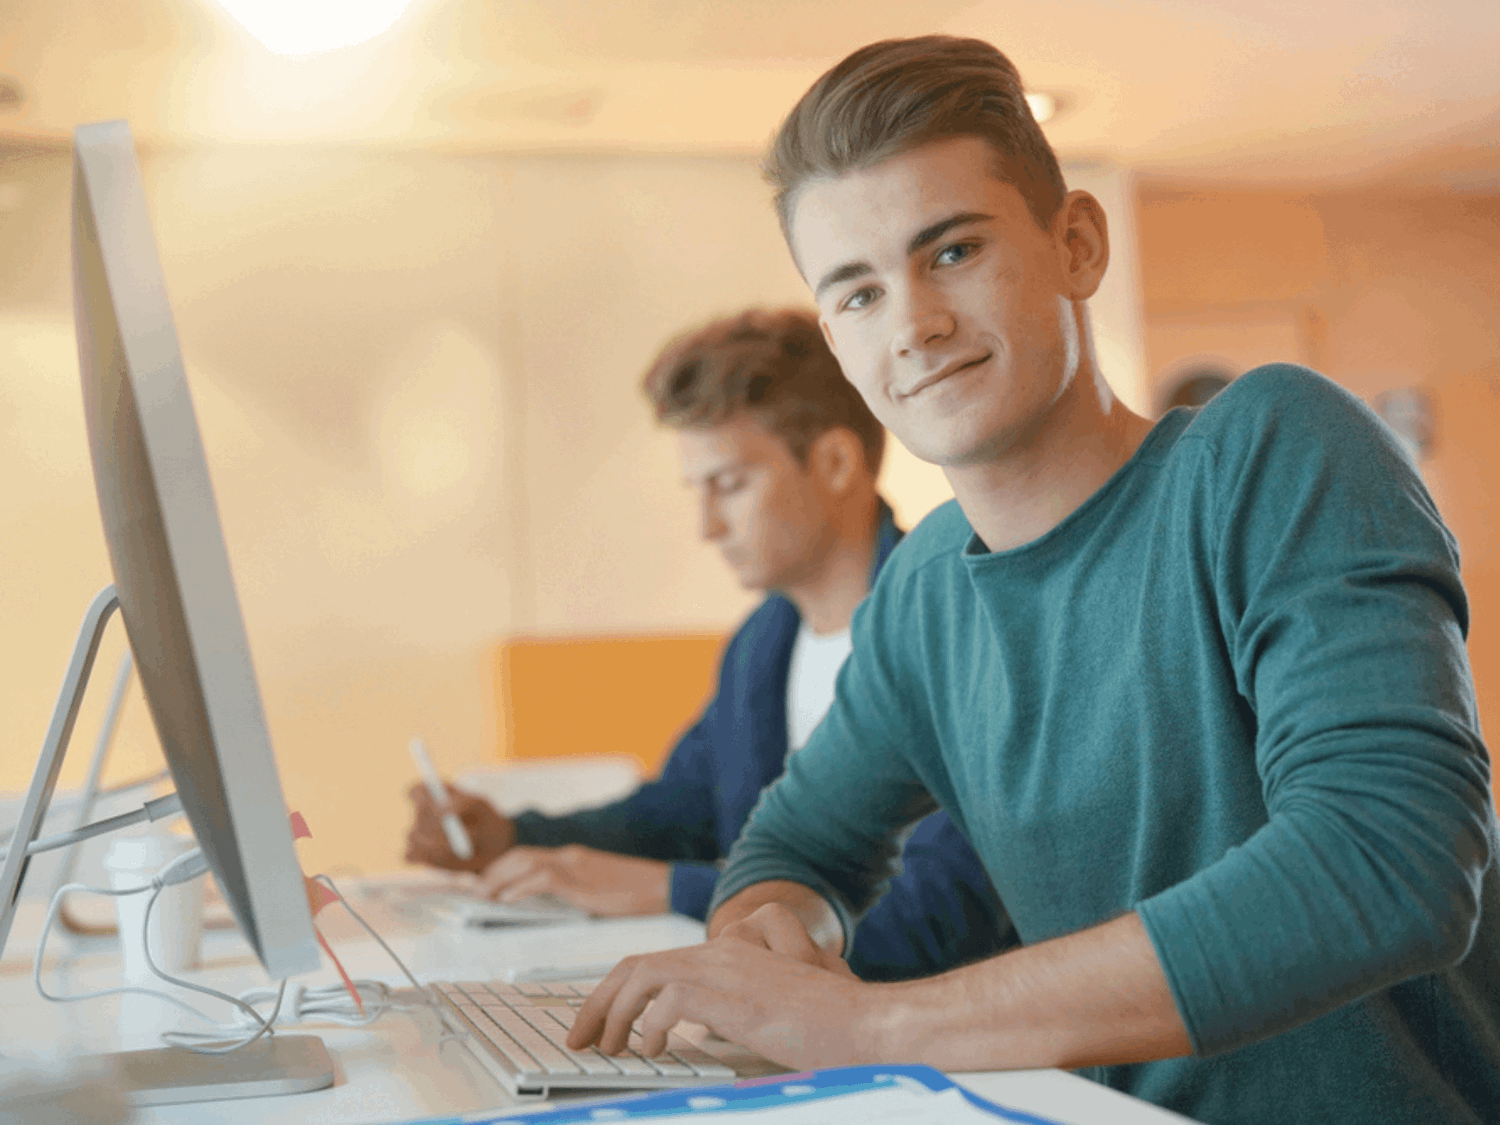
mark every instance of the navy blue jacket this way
{"type": "Point", "coordinates": [940, 911]}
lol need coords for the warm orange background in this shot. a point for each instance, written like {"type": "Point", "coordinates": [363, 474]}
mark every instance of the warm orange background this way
{"type": "Point", "coordinates": [602, 695]}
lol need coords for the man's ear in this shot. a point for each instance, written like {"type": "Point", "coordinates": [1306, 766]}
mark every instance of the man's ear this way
{"type": "Point", "coordinates": [837, 458]}
{"type": "Point", "coordinates": [1082, 235]}
{"type": "Point", "coordinates": [828, 336]}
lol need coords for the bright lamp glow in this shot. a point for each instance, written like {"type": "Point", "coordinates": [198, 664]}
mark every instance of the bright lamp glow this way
{"type": "Point", "coordinates": [1043, 106]}
{"type": "Point", "coordinates": [306, 27]}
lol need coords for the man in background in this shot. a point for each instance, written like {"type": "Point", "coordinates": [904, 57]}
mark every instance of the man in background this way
{"type": "Point", "coordinates": [783, 454]}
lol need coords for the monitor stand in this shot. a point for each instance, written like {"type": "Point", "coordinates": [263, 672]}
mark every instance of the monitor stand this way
{"type": "Point", "coordinates": [276, 1064]}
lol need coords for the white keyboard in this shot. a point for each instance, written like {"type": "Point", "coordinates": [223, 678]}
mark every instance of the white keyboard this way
{"type": "Point", "coordinates": [517, 1033]}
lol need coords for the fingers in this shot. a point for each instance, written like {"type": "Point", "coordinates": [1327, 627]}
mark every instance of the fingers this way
{"type": "Point", "coordinates": [465, 803]}
{"type": "Point", "coordinates": [660, 990]}
{"type": "Point", "coordinates": [661, 1015]}
{"type": "Point", "coordinates": [505, 872]}
{"type": "Point", "coordinates": [638, 990]}
{"type": "Point", "coordinates": [540, 882]}
{"type": "Point", "coordinates": [589, 1022]}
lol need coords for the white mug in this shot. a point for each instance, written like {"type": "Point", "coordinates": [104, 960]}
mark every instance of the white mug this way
{"type": "Point", "coordinates": [177, 917]}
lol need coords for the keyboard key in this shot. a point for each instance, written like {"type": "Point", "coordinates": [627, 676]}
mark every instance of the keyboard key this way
{"type": "Point", "coordinates": [690, 1054]}
{"type": "Point", "coordinates": [501, 1044]}
{"type": "Point", "coordinates": [666, 1065]}
{"type": "Point", "coordinates": [551, 1057]}
{"type": "Point", "coordinates": [521, 1029]}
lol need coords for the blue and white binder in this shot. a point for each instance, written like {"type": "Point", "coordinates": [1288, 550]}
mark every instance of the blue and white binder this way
{"type": "Point", "coordinates": [893, 1094]}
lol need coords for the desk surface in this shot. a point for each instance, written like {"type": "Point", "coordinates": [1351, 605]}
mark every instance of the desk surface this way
{"type": "Point", "coordinates": [400, 1069]}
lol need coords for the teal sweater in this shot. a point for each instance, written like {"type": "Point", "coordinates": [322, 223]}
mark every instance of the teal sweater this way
{"type": "Point", "coordinates": [1230, 693]}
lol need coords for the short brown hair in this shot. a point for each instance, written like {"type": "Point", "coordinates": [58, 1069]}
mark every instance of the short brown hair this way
{"type": "Point", "coordinates": [898, 94]}
{"type": "Point", "coordinates": [773, 363]}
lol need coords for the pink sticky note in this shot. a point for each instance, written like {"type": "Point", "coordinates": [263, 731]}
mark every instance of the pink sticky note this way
{"type": "Point", "coordinates": [318, 896]}
{"type": "Point", "coordinates": [348, 984]}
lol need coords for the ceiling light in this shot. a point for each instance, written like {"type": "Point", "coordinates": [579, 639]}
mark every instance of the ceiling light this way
{"type": "Point", "coordinates": [307, 27]}
{"type": "Point", "coordinates": [1043, 106]}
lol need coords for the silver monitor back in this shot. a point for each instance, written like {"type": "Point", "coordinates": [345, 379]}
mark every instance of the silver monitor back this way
{"type": "Point", "coordinates": [166, 547]}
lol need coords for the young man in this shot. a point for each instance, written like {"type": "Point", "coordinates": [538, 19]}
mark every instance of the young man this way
{"type": "Point", "coordinates": [783, 454]}
{"type": "Point", "coordinates": [1196, 692]}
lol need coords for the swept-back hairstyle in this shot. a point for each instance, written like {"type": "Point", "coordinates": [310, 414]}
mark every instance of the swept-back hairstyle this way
{"type": "Point", "coordinates": [773, 363]}
{"type": "Point", "coordinates": [899, 94]}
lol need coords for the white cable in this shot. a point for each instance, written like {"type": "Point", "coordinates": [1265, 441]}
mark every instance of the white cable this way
{"type": "Point", "coordinates": [231, 1037]}
{"type": "Point", "coordinates": [155, 809]}
{"type": "Point", "coordinates": [201, 1042]}
{"type": "Point", "coordinates": [329, 1003]}
{"type": "Point", "coordinates": [41, 949]}
{"type": "Point", "coordinates": [424, 998]}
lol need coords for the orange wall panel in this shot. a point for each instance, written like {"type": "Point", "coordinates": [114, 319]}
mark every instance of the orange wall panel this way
{"type": "Point", "coordinates": [602, 695]}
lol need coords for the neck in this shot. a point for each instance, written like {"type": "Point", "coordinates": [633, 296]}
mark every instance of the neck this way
{"type": "Point", "coordinates": [829, 595]}
{"type": "Point", "coordinates": [1028, 490]}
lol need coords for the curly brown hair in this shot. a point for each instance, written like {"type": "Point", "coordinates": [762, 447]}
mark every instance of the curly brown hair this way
{"type": "Point", "coordinates": [773, 363]}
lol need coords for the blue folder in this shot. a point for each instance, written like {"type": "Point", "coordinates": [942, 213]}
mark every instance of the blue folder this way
{"type": "Point", "coordinates": [702, 1102]}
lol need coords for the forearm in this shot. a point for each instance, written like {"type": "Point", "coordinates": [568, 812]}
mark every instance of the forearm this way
{"type": "Point", "coordinates": [647, 823]}
{"type": "Point", "coordinates": [817, 916]}
{"type": "Point", "coordinates": [1093, 998]}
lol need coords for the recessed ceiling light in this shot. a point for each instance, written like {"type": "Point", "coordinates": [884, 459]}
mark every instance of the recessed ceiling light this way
{"type": "Point", "coordinates": [1044, 106]}
{"type": "Point", "coordinates": [308, 27]}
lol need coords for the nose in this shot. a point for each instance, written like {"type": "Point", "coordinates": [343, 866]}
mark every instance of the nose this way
{"type": "Point", "coordinates": [925, 319]}
{"type": "Point", "coordinates": [711, 525]}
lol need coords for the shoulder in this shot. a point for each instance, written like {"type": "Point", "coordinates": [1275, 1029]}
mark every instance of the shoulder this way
{"type": "Point", "coordinates": [774, 620]}
{"type": "Point", "coordinates": [1284, 439]}
{"type": "Point", "coordinates": [936, 540]}
{"type": "Point", "coordinates": [942, 535]}
{"type": "Point", "coordinates": [1285, 402]}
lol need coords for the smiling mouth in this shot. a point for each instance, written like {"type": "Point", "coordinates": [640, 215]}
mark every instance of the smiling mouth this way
{"type": "Point", "coordinates": [939, 376]}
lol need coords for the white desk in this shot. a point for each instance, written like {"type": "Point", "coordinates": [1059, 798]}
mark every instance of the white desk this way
{"type": "Point", "coordinates": [397, 1069]}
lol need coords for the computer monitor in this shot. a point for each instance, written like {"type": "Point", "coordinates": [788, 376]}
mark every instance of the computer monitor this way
{"type": "Point", "coordinates": [176, 595]}
{"type": "Point", "coordinates": [171, 568]}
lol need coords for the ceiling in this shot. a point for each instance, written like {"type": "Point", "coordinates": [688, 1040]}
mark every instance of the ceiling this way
{"type": "Point", "coordinates": [1247, 91]}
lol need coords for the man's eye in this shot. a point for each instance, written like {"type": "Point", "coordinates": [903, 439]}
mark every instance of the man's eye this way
{"type": "Point", "coordinates": [860, 298]}
{"type": "Point", "coordinates": [950, 255]}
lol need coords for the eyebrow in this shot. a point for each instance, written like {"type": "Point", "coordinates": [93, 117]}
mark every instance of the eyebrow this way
{"type": "Point", "coordinates": [724, 470]}
{"type": "Point", "coordinates": [924, 237]}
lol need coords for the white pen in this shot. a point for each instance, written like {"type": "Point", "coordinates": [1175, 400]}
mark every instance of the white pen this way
{"type": "Point", "coordinates": [453, 828]}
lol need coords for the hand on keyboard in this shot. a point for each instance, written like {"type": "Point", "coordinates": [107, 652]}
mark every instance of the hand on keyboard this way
{"type": "Point", "coordinates": [602, 883]}
{"type": "Point", "coordinates": [794, 1013]}
{"type": "Point", "coordinates": [519, 1031]}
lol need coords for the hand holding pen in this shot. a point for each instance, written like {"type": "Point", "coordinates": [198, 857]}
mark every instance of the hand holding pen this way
{"type": "Point", "coordinates": [450, 822]}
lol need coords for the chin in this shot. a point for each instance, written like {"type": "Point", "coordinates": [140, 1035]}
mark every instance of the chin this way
{"type": "Point", "coordinates": [748, 579]}
{"type": "Point", "coordinates": [955, 446]}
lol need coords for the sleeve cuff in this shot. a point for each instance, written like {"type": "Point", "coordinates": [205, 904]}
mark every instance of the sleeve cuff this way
{"type": "Point", "coordinates": [692, 887]}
